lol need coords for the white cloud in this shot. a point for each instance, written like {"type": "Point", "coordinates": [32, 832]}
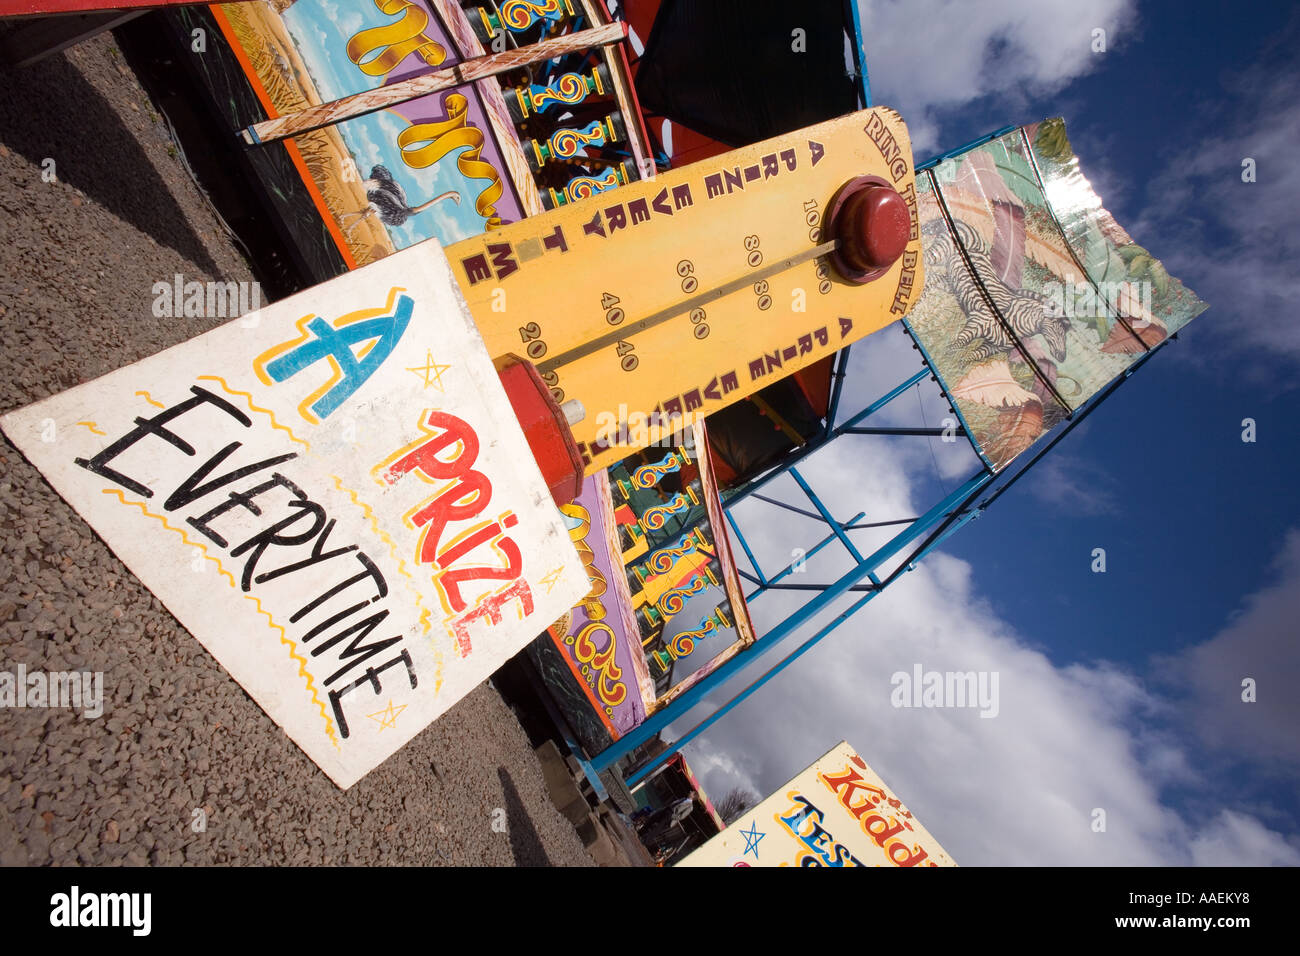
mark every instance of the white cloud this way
{"type": "Point", "coordinates": [1074, 485]}
{"type": "Point", "coordinates": [1236, 840]}
{"type": "Point", "coordinates": [1257, 643]}
{"type": "Point", "coordinates": [1018, 789]}
{"type": "Point", "coordinates": [925, 56]}
{"type": "Point", "coordinates": [1235, 243]}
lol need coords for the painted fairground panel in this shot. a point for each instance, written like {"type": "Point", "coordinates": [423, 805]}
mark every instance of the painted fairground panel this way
{"type": "Point", "coordinates": [430, 167]}
{"type": "Point", "coordinates": [1003, 404]}
{"type": "Point", "coordinates": [686, 594]}
{"type": "Point", "coordinates": [310, 249]}
{"type": "Point", "coordinates": [598, 640]}
{"type": "Point", "coordinates": [1007, 233]}
{"type": "Point", "coordinates": [662, 611]}
{"type": "Point", "coordinates": [1157, 304]}
{"type": "Point", "coordinates": [1019, 333]}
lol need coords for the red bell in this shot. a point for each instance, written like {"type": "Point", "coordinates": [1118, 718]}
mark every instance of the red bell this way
{"type": "Point", "coordinates": [545, 426]}
{"type": "Point", "coordinates": [872, 224]}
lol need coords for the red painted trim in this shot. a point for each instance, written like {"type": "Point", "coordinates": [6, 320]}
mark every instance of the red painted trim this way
{"type": "Point", "coordinates": [19, 8]}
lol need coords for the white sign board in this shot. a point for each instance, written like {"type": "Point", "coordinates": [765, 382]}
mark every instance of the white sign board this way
{"type": "Point", "coordinates": [837, 812]}
{"type": "Point", "coordinates": [333, 495]}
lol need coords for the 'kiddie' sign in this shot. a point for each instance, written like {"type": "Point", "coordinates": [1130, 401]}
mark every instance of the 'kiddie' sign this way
{"type": "Point", "coordinates": [333, 496]}
{"type": "Point", "coordinates": [835, 813]}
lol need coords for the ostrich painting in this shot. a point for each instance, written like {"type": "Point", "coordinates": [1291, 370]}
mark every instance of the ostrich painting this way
{"type": "Point", "coordinates": [388, 200]}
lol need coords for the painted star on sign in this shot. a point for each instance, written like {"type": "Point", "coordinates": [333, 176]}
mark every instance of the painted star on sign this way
{"type": "Point", "coordinates": [551, 579]}
{"type": "Point", "coordinates": [388, 716]}
{"type": "Point", "coordinates": [431, 371]}
{"type": "Point", "coordinates": [752, 836]}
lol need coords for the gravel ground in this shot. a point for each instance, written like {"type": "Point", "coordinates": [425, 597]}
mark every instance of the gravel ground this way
{"type": "Point", "coordinates": [78, 257]}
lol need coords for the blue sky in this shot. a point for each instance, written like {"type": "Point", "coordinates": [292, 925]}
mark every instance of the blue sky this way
{"type": "Point", "coordinates": [1119, 690]}
{"type": "Point", "coordinates": [321, 29]}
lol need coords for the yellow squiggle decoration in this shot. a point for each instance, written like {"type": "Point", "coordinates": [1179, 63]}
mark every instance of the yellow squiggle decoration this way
{"type": "Point", "coordinates": [302, 668]}
{"type": "Point", "coordinates": [149, 398]}
{"type": "Point", "coordinates": [91, 426]}
{"type": "Point", "coordinates": [180, 531]}
{"type": "Point", "coordinates": [374, 523]}
{"type": "Point", "coordinates": [284, 638]}
{"type": "Point", "coordinates": [265, 411]}
{"type": "Point", "coordinates": [441, 137]}
{"type": "Point", "coordinates": [425, 622]}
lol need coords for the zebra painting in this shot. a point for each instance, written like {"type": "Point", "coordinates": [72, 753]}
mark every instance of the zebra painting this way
{"type": "Point", "coordinates": [1025, 311]}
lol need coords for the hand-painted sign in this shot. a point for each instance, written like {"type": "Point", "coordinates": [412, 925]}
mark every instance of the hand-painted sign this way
{"type": "Point", "coordinates": [333, 496]}
{"type": "Point", "coordinates": [835, 813]}
{"type": "Point", "coordinates": [668, 299]}
{"type": "Point", "coordinates": [1037, 298]}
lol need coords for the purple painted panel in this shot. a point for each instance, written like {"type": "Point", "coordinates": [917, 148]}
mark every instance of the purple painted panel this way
{"type": "Point", "coordinates": [599, 638]}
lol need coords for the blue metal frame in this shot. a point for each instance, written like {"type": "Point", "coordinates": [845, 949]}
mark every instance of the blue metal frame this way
{"type": "Point", "coordinates": [837, 387]}
{"type": "Point", "coordinates": [745, 544]}
{"type": "Point", "coordinates": [655, 724]}
{"type": "Point", "coordinates": [860, 53]}
{"type": "Point", "coordinates": [941, 516]}
{"type": "Point", "coordinates": [826, 515]}
{"type": "Point", "coordinates": [827, 435]}
{"type": "Point", "coordinates": [954, 511]}
{"type": "Point", "coordinates": [979, 141]}
{"type": "Point", "coordinates": [961, 419]}
{"type": "Point", "coordinates": [770, 583]}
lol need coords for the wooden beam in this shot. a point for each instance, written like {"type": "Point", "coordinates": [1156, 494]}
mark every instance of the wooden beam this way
{"type": "Point", "coordinates": [40, 37]}
{"type": "Point", "coordinates": [369, 101]}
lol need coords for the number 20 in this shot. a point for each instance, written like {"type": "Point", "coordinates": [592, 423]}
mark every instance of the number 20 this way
{"type": "Point", "coordinates": [531, 334]}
